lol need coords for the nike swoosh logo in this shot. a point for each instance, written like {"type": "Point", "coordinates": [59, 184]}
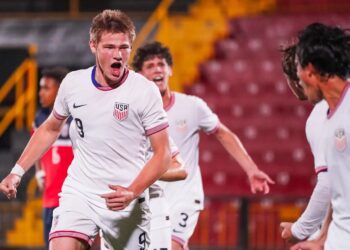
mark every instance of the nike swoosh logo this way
{"type": "Point", "coordinates": [78, 106]}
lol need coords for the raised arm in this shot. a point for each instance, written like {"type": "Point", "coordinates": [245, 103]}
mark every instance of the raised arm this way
{"type": "Point", "coordinates": [258, 179]}
{"type": "Point", "coordinates": [38, 144]}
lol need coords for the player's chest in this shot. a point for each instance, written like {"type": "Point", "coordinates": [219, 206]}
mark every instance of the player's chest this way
{"type": "Point", "coordinates": [103, 106]}
{"type": "Point", "coordinates": [182, 121]}
{"type": "Point", "coordinates": [337, 129]}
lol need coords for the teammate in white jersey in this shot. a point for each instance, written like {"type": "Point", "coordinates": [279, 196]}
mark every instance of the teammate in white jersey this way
{"type": "Point", "coordinates": [310, 221]}
{"type": "Point", "coordinates": [115, 111]}
{"type": "Point", "coordinates": [187, 116]}
{"type": "Point", "coordinates": [323, 66]}
{"type": "Point", "coordinates": [160, 227]}
{"type": "Point", "coordinates": [160, 232]}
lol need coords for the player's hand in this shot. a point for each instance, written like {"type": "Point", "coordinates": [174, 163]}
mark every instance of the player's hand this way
{"type": "Point", "coordinates": [308, 245]}
{"type": "Point", "coordinates": [286, 233]}
{"type": "Point", "coordinates": [259, 181]}
{"type": "Point", "coordinates": [286, 228]}
{"type": "Point", "coordinates": [40, 179]}
{"type": "Point", "coordinates": [9, 185]}
{"type": "Point", "coordinates": [119, 198]}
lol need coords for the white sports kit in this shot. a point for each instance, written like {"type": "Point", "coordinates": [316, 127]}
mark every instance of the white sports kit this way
{"type": "Point", "coordinates": [110, 144]}
{"type": "Point", "coordinates": [337, 139]}
{"type": "Point", "coordinates": [311, 219]}
{"type": "Point", "coordinates": [187, 116]}
{"type": "Point", "coordinates": [160, 227]}
{"type": "Point", "coordinates": [160, 233]}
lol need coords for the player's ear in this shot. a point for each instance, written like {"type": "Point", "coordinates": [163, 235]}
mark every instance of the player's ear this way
{"type": "Point", "coordinates": [312, 69]}
{"type": "Point", "coordinates": [92, 45]}
{"type": "Point", "coordinates": [313, 73]}
{"type": "Point", "coordinates": [170, 71]}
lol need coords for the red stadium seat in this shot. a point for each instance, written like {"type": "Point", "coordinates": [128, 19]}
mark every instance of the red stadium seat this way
{"type": "Point", "coordinates": [245, 86]}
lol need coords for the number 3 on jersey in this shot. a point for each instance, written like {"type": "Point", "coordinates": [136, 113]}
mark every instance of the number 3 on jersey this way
{"type": "Point", "coordinates": [80, 127]}
{"type": "Point", "coordinates": [184, 220]}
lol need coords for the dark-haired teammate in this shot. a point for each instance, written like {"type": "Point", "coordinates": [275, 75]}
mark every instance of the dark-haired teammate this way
{"type": "Point", "coordinates": [323, 66]}
{"type": "Point", "coordinates": [310, 221]}
{"type": "Point", "coordinates": [188, 115]}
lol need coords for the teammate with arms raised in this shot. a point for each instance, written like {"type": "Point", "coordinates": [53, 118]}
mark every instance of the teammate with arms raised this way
{"type": "Point", "coordinates": [114, 110]}
{"type": "Point", "coordinates": [187, 116]}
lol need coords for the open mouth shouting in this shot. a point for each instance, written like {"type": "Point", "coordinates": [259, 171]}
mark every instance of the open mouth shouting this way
{"type": "Point", "coordinates": [158, 79]}
{"type": "Point", "coordinates": [116, 67]}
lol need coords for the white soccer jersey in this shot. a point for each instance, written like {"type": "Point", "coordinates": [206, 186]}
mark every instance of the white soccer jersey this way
{"type": "Point", "coordinates": [187, 116]}
{"type": "Point", "coordinates": [338, 162]}
{"type": "Point", "coordinates": [112, 126]}
{"type": "Point", "coordinates": [314, 130]}
{"type": "Point", "coordinates": [316, 210]}
{"type": "Point", "coordinates": [157, 188]}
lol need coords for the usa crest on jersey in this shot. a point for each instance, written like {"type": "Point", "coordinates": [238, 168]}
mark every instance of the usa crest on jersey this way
{"type": "Point", "coordinates": [181, 125]}
{"type": "Point", "coordinates": [340, 139]}
{"type": "Point", "coordinates": [121, 111]}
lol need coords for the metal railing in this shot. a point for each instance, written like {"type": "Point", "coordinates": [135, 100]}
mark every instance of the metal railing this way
{"type": "Point", "coordinates": [159, 14]}
{"type": "Point", "coordinates": [245, 223]}
{"type": "Point", "coordinates": [23, 82]}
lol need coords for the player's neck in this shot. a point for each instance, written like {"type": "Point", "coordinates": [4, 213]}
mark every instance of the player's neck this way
{"type": "Point", "coordinates": [103, 80]}
{"type": "Point", "coordinates": [166, 98]}
{"type": "Point", "coordinates": [334, 92]}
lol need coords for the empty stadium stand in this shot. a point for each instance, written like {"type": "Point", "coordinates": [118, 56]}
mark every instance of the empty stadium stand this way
{"type": "Point", "coordinates": [244, 84]}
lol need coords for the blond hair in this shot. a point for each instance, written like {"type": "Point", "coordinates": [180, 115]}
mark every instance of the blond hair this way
{"type": "Point", "coordinates": [114, 21]}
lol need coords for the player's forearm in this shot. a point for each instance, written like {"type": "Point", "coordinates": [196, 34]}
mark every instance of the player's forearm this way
{"type": "Point", "coordinates": [327, 221]}
{"type": "Point", "coordinates": [176, 172]}
{"type": "Point", "coordinates": [153, 170]}
{"type": "Point", "coordinates": [316, 209]}
{"type": "Point", "coordinates": [38, 144]}
{"type": "Point", "coordinates": [235, 148]}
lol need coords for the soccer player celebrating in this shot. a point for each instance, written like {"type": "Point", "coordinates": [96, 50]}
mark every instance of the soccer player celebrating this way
{"type": "Point", "coordinates": [187, 116]}
{"type": "Point", "coordinates": [323, 66]}
{"type": "Point", "coordinates": [115, 111]}
{"type": "Point", "coordinates": [310, 221]}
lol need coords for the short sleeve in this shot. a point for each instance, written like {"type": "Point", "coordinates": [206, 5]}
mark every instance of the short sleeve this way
{"type": "Point", "coordinates": [208, 120]}
{"type": "Point", "coordinates": [60, 108]}
{"type": "Point", "coordinates": [315, 135]}
{"type": "Point", "coordinates": [154, 118]}
{"type": "Point", "coordinates": [173, 149]}
{"type": "Point", "coordinates": [319, 157]}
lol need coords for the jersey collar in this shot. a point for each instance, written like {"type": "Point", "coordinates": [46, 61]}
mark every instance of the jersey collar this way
{"type": "Point", "coordinates": [332, 112]}
{"type": "Point", "coordinates": [107, 88]}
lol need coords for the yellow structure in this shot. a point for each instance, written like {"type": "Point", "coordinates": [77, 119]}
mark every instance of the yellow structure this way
{"type": "Point", "coordinates": [24, 82]}
{"type": "Point", "coordinates": [191, 37]}
{"type": "Point", "coordinates": [28, 230]}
